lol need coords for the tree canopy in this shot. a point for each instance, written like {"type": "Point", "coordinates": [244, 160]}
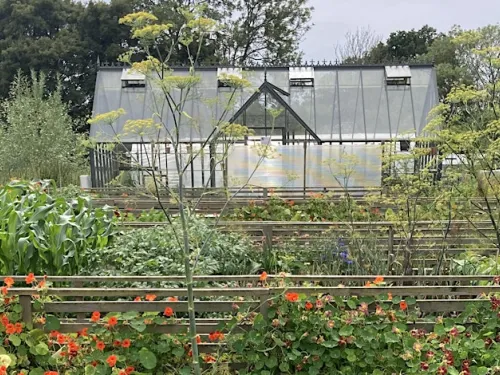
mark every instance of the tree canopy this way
{"type": "Point", "coordinates": [66, 38]}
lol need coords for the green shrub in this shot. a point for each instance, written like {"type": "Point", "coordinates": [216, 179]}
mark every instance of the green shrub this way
{"type": "Point", "coordinates": [46, 235]}
{"type": "Point", "coordinates": [155, 251]}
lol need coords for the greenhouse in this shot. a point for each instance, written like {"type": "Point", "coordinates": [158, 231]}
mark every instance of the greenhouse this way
{"type": "Point", "coordinates": [310, 115]}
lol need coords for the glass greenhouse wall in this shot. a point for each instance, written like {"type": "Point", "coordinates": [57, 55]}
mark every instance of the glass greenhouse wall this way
{"type": "Point", "coordinates": [314, 117]}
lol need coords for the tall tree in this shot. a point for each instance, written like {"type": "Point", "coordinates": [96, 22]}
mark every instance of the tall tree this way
{"type": "Point", "coordinates": [60, 38]}
{"type": "Point", "coordinates": [357, 46]}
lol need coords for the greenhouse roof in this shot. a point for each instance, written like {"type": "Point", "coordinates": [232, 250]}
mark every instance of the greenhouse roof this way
{"type": "Point", "coordinates": [320, 103]}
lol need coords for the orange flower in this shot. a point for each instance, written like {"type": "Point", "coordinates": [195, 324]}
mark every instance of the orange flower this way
{"type": "Point", "coordinates": [122, 372]}
{"type": "Point", "coordinates": [263, 276]}
{"type": "Point", "coordinates": [54, 334]}
{"type": "Point", "coordinates": [198, 339]}
{"type": "Point", "coordinates": [389, 296]}
{"type": "Point", "coordinates": [8, 281]}
{"type": "Point", "coordinates": [403, 305]}
{"type": "Point", "coordinates": [126, 343]}
{"type": "Point", "coordinates": [209, 359]}
{"type": "Point", "coordinates": [172, 299]}
{"type": "Point", "coordinates": [50, 373]}
{"type": "Point", "coordinates": [379, 280]}
{"type": "Point", "coordinates": [100, 345]}
{"type": "Point", "coordinates": [129, 370]}
{"type": "Point", "coordinates": [4, 320]}
{"type": "Point", "coordinates": [10, 329]}
{"type": "Point", "coordinates": [112, 360]}
{"type": "Point", "coordinates": [150, 297]}
{"type": "Point", "coordinates": [292, 297]}
{"type": "Point", "coordinates": [137, 299]}
{"type": "Point", "coordinates": [368, 284]}
{"type": "Point", "coordinates": [30, 279]}
{"type": "Point", "coordinates": [5, 290]}
{"type": "Point", "coordinates": [41, 284]}
{"type": "Point", "coordinates": [168, 312]}
{"type": "Point", "coordinates": [96, 316]}
{"type": "Point", "coordinates": [117, 343]}
{"type": "Point", "coordinates": [216, 336]}
{"type": "Point", "coordinates": [84, 332]}
{"type": "Point", "coordinates": [308, 305]}
{"type": "Point", "coordinates": [19, 328]}
{"type": "Point", "coordinates": [112, 321]}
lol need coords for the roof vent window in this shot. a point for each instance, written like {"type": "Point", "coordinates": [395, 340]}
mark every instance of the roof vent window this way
{"type": "Point", "coordinates": [398, 75]}
{"type": "Point", "coordinates": [301, 77]}
{"type": "Point", "coordinates": [132, 79]}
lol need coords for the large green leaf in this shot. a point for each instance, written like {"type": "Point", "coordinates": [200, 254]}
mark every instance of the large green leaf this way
{"type": "Point", "coordinates": [147, 358]}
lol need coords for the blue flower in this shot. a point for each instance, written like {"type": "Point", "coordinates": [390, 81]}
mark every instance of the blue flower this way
{"type": "Point", "coordinates": [349, 261]}
{"type": "Point", "coordinates": [344, 255]}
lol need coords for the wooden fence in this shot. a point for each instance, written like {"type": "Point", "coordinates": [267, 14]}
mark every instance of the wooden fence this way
{"type": "Point", "coordinates": [78, 297]}
{"type": "Point", "coordinates": [428, 242]}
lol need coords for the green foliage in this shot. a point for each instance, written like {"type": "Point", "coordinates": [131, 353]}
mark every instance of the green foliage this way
{"type": "Point", "coordinates": [46, 235]}
{"type": "Point", "coordinates": [319, 207]}
{"type": "Point", "coordinates": [368, 336]}
{"type": "Point", "coordinates": [156, 251]}
{"type": "Point", "coordinates": [36, 137]}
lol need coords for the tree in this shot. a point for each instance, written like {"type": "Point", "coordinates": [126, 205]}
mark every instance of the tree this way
{"type": "Point", "coordinates": [357, 46]}
{"type": "Point", "coordinates": [60, 37]}
{"type": "Point", "coordinates": [265, 31]}
{"type": "Point", "coordinates": [36, 137]}
{"type": "Point", "coordinates": [466, 126]}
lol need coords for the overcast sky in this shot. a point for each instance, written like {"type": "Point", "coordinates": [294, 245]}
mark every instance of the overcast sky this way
{"type": "Point", "coordinates": [333, 18]}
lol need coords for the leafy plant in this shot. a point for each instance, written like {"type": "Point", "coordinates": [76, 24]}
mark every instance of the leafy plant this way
{"type": "Point", "coordinates": [46, 235]}
{"type": "Point", "coordinates": [366, 336]}
{"type": "Point", "coordinates": [154, 251]}
{"type": "Point", "coordinates": [36, 137]}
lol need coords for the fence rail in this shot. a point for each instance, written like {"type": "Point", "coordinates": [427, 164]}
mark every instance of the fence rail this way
{"type": "Point", "coordinates": [434, 294]}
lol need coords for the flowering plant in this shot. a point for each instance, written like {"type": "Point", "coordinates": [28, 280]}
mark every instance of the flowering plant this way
{"type": "Point", "coordinates": [366, 335]}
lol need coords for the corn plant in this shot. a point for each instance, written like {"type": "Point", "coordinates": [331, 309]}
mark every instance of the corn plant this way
{"type": "Point", "coordinates": [46, 235]}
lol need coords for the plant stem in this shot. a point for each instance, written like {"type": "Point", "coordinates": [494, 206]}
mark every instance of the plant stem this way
{"type": "Point", "coordinates": [189, 278]}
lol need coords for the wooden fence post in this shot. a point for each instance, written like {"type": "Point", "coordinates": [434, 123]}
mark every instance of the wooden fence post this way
{"type": "Point", "coordinates": [390, 251]}
{"type": "Point", "coordinates": [79, 284]}
{"type": "Point", "coordinates": [27, 314]}
{"type": "Point", "coordinates": [264, 303]}
{"type": "Point", "coordinates": [267, 229]}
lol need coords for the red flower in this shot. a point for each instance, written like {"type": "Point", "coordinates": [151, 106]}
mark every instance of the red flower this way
{"type": "Point", "coordinates": [8, 281]}
{"type": "Point", "coordinates": [83, 332]}
{"type": "Point", "coordinates": [137, 299]}
{"type": "Point", "coordinates": [403, 305]}
{"type": "Point", "coordinates": [442, 370]}
{"type": "Point", "coordinates": [50, 373]}
{"type": "Point", "coordinates": [10, 329]}
{"type": "Point", "coordinates": [129, 370]}
{"type": "Point", "coordinates": [150, 297]}
{"type": "Point", "coordinates": [263, 276]}
{"type": "Point", "coordinates": [96, 316]}
{"type": "Point", "coordinates": [198, 339]}
{"type": "Point", "coordinates": [5, 290]}
{"type": "Point", "coordinates": [112, 360]}
{"type": "Point", "coordinates": [308, 305]}
{"type": "Point", "coordinates": [4, 320]}
{"type": "Point", "coordinates": [30, 279]}
{"type": "Point", "coordinates": [424, 366]}
{"type": "Point", "coordinates": [292, 297]}
{"type": "Point", "coordinates": [126, 343]}
{"type": "Point", "coordinates": [172, 299]}
{"type": "Point", "coordinates": [100, 345]}
{"type": "Point", "coordinates": [168, 312]}
{"type": "Point", "coordinates": [216, 336]}
{"type": "Point", "coordinates": [19, 328]}
{"type": "Point", "coordinates": [117, 343]}
{"type": "Point", "coordinates": [209, 359]}
{"type": "Point", "coordinates": [112, 321]}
